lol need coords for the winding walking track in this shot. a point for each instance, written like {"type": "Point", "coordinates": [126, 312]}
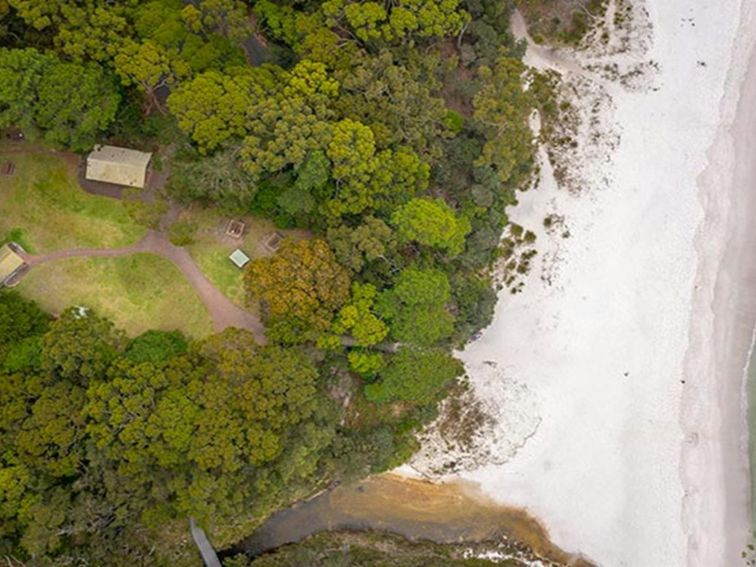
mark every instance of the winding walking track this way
{"type": "Point", "coordinates": [222, 310]}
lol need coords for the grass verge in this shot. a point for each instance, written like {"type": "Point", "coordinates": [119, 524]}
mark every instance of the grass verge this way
{"type": "Point", "coordinates": [43, 205]}
{"type": "Point", "coordinates": [138, 292]}
{"type": "Point", "coordinates": [211, 247]}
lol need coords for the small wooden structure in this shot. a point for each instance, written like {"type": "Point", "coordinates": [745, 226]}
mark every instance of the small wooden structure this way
{"type": "Point", "coordinates": [235, 228]}
{"type": "Point", "coordinates": [120, 166]}
{"type": "Point", "coordinates": [12, 264]}
{"type": "Point", "coordinates": [8, 168]}
{"type": "Point", "coordinates": [273, 241]}
{"type": "Point", "coordinates": [239, 258]}
{"type": "Point", "coordinates": [209, 557]}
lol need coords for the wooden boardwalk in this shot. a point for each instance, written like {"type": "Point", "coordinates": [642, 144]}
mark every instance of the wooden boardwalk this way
{"type": "Point", "coordinates": [203, 544]}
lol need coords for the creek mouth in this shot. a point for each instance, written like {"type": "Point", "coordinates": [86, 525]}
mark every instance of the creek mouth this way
{"type": "Point", "coordinates": [450, 513]}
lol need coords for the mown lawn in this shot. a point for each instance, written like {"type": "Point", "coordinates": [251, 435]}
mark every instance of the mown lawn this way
{"type": "Point", "coordinates": [43, 207]}
{"type": "Point", "coordinates": [212, 248]}
{"type": "Point", "coordinates": [137, 292]}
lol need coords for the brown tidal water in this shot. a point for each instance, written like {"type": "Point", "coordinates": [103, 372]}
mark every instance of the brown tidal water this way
{"type": "Point", "coordinates": [443, 513]}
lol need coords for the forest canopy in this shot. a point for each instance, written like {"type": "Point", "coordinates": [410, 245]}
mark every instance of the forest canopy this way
{"type": "Point", "coordinates": [394, 135]}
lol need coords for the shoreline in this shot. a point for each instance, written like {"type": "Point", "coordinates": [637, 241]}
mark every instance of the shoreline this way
{"type": "Point", "coordinates": [715, 450]}
{"type": "Point", "coordinates": [749, 399]}
{"type": "Point", "coordinates": [607, 346]}
{"type": "Point", "coordinates": [417, 510]}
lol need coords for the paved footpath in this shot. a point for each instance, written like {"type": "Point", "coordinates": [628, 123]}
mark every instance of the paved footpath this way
{"type": "Point", "coordinates": [222, 310]}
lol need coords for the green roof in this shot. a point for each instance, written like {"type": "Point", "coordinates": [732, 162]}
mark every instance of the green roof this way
{"type": "Point", "coordinates": [9, 262]}
{"type": "Point", "coordinates": [239, 258]}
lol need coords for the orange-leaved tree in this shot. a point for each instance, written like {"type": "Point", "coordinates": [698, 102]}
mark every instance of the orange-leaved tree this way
{"type": "Point", "coordinates": [299, 289]}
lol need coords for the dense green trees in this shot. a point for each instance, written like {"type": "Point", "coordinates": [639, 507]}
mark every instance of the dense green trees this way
{"type": "Point", "coordinates": [300, 288]}
{"type": "Point", "coordinates": [475, 299]}
{"type": "Point", "coordinates": [149, 44]}
{"type": "Point", "coordinates": [395, 134]}
{"type": "Point", "coordinates": [502, 108]}
{"type": "Point", "coordinates": [359, 246]}
{"type": "Point", "coordinates": [103, 432]}
{"type": "Point", "coordinates": [70, 103]}
{"type": "Point", "coordinates": [414, 375]}
{"type": "Point", "coordinates": [371, 21]}
{"type": "Point", "coordinates": [416, 307]}
{"type": "Point", "coordinates": [106, 443]}
{"type": "Point", "coordinates": [292, 122]}
{"type": "Point", "coordinates": [396, 99]}
{"type": "Point", "coordinates": [227, 17]}
{"type": "Point", "coordinates": [75, 103]}
{"type": "Point", "coordinates": [254, 395]}
{"type": "Point", "coordinates": [80, 346]}
{"type": "Point", "coordinates": [216, 106]}
{"type": "Point", "coordinates": [19, 319]}
{"type": "Point", "coordinates": [357, 318]}
{"type": "Point", "coordinates": [194, 420]}
{"type": "Point", "coordinates": [20, 74]}
{"type": "Point", "coordinates": [90, 30]}
{"type": "Point", "coordinates": [311, 176]}
{"type": "Point", "coordinates": [156, 346]}
{"type": "Point", "coordinates": [431, 222]}
{"type": "Point", "coordinates": [145, 65]}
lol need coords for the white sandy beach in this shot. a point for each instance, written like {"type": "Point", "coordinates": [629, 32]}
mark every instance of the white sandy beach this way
{"type": "Point", "coordinates": [633, 353]}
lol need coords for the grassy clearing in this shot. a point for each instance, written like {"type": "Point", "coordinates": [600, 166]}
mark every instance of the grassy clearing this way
{"type": "Point", "coordinates": [211, 248]}
{"type": "Point", "coordinates": [44, 208]}
{"type": "Point", "coordinates": [138, 292]}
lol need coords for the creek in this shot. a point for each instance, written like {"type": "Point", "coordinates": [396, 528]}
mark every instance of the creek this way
{"type": "Point", "coordinates": [452, 512]}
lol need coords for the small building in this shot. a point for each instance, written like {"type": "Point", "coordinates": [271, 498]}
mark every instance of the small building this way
{"type": "Point", "coordinates": [120, 166]}
{"type": "Point", "coordinates": [11, 265]}
{"type": "Point", "coordinates": [239, 258]}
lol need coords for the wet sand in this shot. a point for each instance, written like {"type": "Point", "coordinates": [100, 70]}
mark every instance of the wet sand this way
{"type": "Point", "coordinates": [715, 462]}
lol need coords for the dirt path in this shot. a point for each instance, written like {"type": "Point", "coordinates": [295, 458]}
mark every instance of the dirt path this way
{"type": "Point", "coordinates": [544, 57]}
{"type": "Point", "coordinates": [222, 311]}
